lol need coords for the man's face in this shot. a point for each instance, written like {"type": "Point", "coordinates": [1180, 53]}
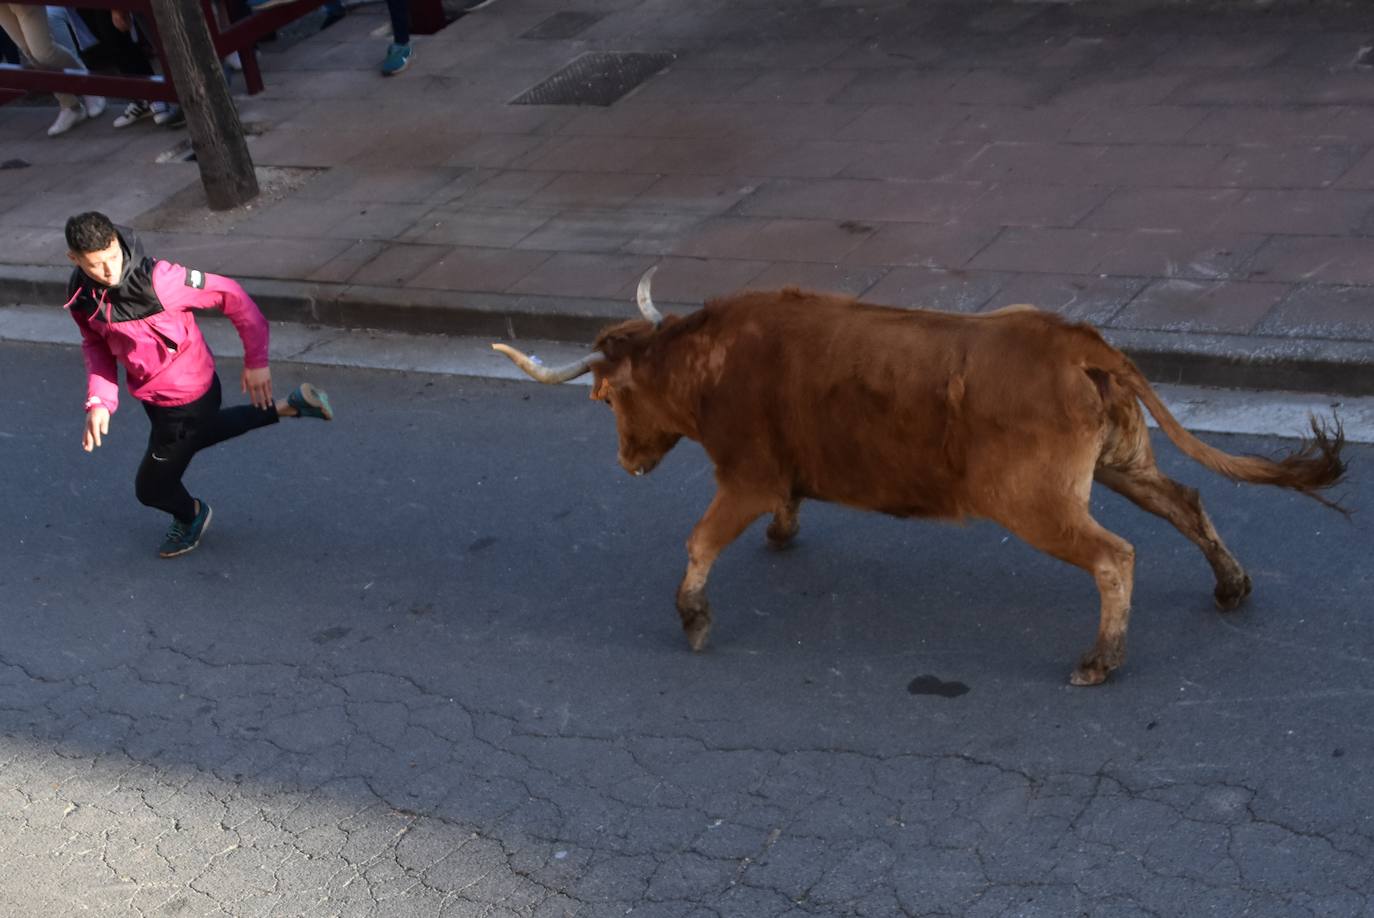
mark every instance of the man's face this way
{"type": "Point", "coordinates": [103, 266]}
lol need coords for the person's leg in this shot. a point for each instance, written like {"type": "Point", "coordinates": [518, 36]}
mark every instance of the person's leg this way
{"type": "Point", "coordinates": [121, 50]}
{"type": "Point", "coordinates": [36, 41]}
{"type": "Point", "coordinates": [334, 11]}
{"type": "Point", "coordinates": [172, 443]}
{"type": "Point", "coordinates": [179, 433]}
{"type": "Point", "coordinates": [398, 54]}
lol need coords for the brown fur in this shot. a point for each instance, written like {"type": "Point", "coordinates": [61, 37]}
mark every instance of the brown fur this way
{"type": "Point", "coordinates": [1008, 416]}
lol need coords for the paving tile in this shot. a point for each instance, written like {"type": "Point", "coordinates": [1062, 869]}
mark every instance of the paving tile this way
{"type": "Point", "coordinates": [916, 202]}
{"type": "Point", "coordinates": [794, 86]}
{"type": "Point", "coordinates": [1323, 311]}
{"type": "Point", "coordinates": [608, 231]}
{"type": "Point", "coordinates": [1163, 209]}
{"type": "Point", "coordinates": [1116, 87]}
{"type": "Point", "coordinates": [765, 157]}
{"type": "Point", "coordinates": [1200, 306]}
{"type": "Point", "coordinates": [1290, 86]}
{"type": "Point", "coordinates": [907, 123]}
{"type": "Point", "coordinates": [470, 268]}
{"type": "Point", "coordinates": [699, 194]}
{"type": "Point", "coordinates": [1223, 52]}
{"type": "Point", "coordinates": [396, 185]}
{"type": "Point", "coordinates": [924, 288]}
{"type": "Point", "coordinates": [1038, 163]}
{"type": "Point", "coordinates": [1320, 259]}
{"type": "Point", "coordinates": [333, 220]}
{"type": "Point", "coordinates": [603, 191]}
{"type": "Point", "coordinates": [1334, 212]}
{"type": "Point", "coordinates": [1033, 205]}
{"type": "Point", "coordinates": [32, 246]}
{"type": "Point", "coordinates": [471, 225]}
{"type": "Point", "coordinates": [1267, 124]}
{"type": "Point", "coordinates": [1285, 167]}
{"type": "Point", "coordinates": [852, 280]}
{"type": "Point", "coordinates": [569, 274]}
{"type": "Point", "coordinates": [773, 240]}
{"type": "Point", "coordinates": [1157, 165]}
{"type": "Point", "coordinates": [315, 148]}
{"type": "Point", "coordinates": [1199, 255]}
{"type": "Point", "coordinates": [1136, 124]}
{"type": "Point", "coordinates": [504, 188]}
{"type": "Point", "coordinates": [344, 265]}
{"type": "Point", "coordinates": [927, 245]}
{"type": "Point", "coordinates": [1359, 175]}
{"type": "Point", "coordinates": [1080, 298]}
{"type": "Point", "coordinates": [491, 151]}
{"type": "Point", "coordinates": [996, 87]}
{"type": "Point", "coordinates": [590, 154]}
{"type": "Point", "coordinates": [240, 256]}
{"type": "Point", "coordinates": [905, 87]}
{"type": "Point", "coordinates": [1076, 251]}
{"type": "Point", "coordinates": [988, 123]}
{"type": "Point", "coordinates": [911, 160]}
{"type": "Point", "coordinates": [397, 264]}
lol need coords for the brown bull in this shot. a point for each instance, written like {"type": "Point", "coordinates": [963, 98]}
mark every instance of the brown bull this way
{"type": "Point", "coordinates": [1009, 416]}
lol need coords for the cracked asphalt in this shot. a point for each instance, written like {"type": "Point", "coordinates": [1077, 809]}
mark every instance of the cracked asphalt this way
{"type": "Point", "coordinates": [426, 663]}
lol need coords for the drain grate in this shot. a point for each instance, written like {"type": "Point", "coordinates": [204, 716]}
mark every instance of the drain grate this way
{"type": "Point", "coordinates": [562, 25]}
{"type": "Point", "coordinates": [596, 78]}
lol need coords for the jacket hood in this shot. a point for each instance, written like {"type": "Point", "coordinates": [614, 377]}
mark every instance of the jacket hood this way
{"type": "Point", "coordinates": [131, 297]}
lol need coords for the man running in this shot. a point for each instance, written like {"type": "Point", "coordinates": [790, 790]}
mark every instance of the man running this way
{"type": "Point", "coordinates": [136, 311]}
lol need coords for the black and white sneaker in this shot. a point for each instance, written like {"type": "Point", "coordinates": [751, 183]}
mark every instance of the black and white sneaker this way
{"type": "Point", "coordinates": [134, 112]}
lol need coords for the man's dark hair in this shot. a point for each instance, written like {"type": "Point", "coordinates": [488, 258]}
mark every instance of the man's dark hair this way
{"type": "Point", "coordinates": [89, 232]}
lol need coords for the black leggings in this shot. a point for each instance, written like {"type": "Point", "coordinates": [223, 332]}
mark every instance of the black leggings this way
{"type": "Point", "coordinates": [178, 434]}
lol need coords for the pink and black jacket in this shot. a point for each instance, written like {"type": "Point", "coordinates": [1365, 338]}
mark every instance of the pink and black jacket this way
{"type": "Point", "coordinates": [145, 323]}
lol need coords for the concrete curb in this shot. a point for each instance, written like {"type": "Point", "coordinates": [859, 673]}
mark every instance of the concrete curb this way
{"type": "Point", "coordinates": [1187, 358]}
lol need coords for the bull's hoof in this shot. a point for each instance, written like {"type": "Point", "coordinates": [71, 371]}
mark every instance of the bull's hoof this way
{"type": "Point", "coordinates": [1097, 665]}
{"type": "Point", "coordinates": [1230, 595]}
{"type": "Point", "coordinates": [780, 537]}
{"type": "Point", "coordinates": [1089, 675]}
{"type": "Point", "coordinates": [697, 632]}
{"type": "Point", "coordinates": [695, 613]}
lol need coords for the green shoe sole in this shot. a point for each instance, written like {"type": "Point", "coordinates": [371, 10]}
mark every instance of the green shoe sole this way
{"type": "Point", "coordinates": [311, 402]}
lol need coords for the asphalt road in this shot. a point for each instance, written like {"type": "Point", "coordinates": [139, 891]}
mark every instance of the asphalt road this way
{"type": "Point", "coordinates": [426, 662]}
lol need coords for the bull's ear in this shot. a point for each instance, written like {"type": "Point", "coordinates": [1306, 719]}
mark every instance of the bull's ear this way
{"type": "Point", "coordinates": [602, 390]}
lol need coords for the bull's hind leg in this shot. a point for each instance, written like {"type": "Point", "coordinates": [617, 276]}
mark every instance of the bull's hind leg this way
{"type": "Point", "coordinates": [1078, 539]}
{"type": "Point", "coordinates": [729, 515]}
{"type": "Point", "coordinates": [1151, 490]}
{"type": "Point", "coordinates": [785, 524]}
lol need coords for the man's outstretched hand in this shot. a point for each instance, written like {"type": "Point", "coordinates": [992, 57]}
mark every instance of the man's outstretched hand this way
{"type": "Point", "coordinates": [258, 384]}
{"type": "Point", "coordinates": [97, 426]}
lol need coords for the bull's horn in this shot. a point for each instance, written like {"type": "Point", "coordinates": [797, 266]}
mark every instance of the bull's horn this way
{"type": "Point", "coordinates": [646, 302]}
{"type": "Point", "coordinates": [545, 374]}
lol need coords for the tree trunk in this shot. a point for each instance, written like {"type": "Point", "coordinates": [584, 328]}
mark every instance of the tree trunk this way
{"type": "Point", "coordinates": [226, 170]}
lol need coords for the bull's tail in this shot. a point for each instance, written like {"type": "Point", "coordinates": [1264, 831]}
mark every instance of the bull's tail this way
{"type": "Point", "coordinates": [1315, 466]}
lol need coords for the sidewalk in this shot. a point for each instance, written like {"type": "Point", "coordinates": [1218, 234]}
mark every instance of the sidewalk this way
{"type": "Point", "coordinates": [1199, 183]}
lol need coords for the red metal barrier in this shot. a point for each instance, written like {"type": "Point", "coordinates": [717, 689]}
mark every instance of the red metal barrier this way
{"type": "Point", "coordinates": [242, 36]}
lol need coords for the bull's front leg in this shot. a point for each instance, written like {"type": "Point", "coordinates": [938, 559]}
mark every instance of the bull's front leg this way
{"type": "Point", "coordinates": [730, 513]}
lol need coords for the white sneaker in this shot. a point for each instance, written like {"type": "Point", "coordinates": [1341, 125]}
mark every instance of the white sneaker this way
{"type": "Point", "coordinates": [67, 119]}
{"type": "Point", "coordinates": [95, 106]}
{"type": "Point", "coordinates": [235, 62]}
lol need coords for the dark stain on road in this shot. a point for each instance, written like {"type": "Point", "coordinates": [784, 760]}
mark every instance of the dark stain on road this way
{"type": "Point", "coordinates": [331, 634]}
{"type": "Point", "coordinates": [484, 542]}
{"type": "Point", "coordinates": [933, 685]}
